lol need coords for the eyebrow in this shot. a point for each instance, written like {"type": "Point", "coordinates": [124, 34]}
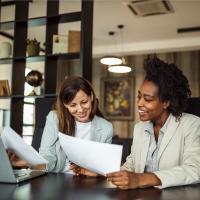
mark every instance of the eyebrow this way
{"type": "Point", "coordinates": [146, 95]}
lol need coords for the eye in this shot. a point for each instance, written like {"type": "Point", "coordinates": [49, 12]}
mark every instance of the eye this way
{"type": "Point", "coordinates": [147, 99]}
{"type": "Point", "coordinates": [138, 96]}
{"type": "Point", "coordinates": [85, 101]}
{"type": "Point", "coordinates": [72, 105]}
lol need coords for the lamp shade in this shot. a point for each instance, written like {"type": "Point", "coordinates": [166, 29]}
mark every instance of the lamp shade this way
{"type": "Point", "coordinates": [111, 60]}
{"type": "Point", "coordinates": [119, 68]}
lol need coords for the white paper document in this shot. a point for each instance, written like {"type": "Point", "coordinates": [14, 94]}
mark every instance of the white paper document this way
{"type": "Point", "coordinates": [101, 158]}
{"type": "Point", "coordinates": [13, 141]}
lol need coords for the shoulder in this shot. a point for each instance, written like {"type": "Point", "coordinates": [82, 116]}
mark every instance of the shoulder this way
{"type": "Point", "coordinates": [101, 124]}
{"type": "Point", "coordinates": [186, 125]}
{"type": "Point", "coordinates": [103, 129]}
{"type": "Point", "coordinates": [190, 117]}
{"type": "Point", "coordinates": [101, 121]}
{"type": "Point", "coordinates": [139, 128]}
{"type": "Point", "coordinates": [141, 125]}
{"type": "Point", "coordinates": [188, 120]}
{"type": "Point", "coordinates": [52, 116]}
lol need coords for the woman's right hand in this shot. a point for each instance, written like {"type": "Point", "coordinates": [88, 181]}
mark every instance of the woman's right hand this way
{"type": "Point", "coordinates": [82, 171]}
{"type": "Point", "coordinates": [15, 160]}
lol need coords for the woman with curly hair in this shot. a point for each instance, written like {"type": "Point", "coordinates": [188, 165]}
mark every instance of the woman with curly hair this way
{"type": "Point", "coordinates": [166, 143]}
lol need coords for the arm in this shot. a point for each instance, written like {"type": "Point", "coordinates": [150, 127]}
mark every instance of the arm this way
{"type": "Point", "coordinates": [48, 149]}
{"type": "Point", "coordinates": [127, 178]}
{"type": "Point", "coordinates": [18, 162]}
{"type": "Point", "coordinates": [131, 180]}
{"type": "Point", "coordinates": [15, 160]}
{"type": "Point", "coordinates": [49, 140]}
{"type": "Point", "coordinates": [188, 171]}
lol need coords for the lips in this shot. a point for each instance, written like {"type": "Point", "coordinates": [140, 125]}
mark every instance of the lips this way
{"type": "Point", "coordinates": [141, 111]}
{"type": "Point", "coordinates": [82, 116]}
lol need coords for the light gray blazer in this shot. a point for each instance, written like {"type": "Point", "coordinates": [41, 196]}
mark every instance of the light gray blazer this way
{"type": "Point", "coordinates": [178, 159]}
{"type": "Point", "coordinates": [50, 149]}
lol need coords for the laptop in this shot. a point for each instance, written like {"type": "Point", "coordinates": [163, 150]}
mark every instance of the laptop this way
{"type": "Point", "coordinates": [8, 175]}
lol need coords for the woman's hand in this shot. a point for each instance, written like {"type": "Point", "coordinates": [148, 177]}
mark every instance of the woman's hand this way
{"type": "Point", "coordinates": [124, 179]}
{"type": "Point", "coordinates": [15, 160]}
{"type": "Point", "coordinates": [18, 162]}
{"type": "Point", "coordinates": [82, 171]}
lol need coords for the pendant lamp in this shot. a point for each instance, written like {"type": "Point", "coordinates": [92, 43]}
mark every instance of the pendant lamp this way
{"type": "Point", "coordinates": [111, 59]}
{"type": "Point", "coordinates": [123, 67]}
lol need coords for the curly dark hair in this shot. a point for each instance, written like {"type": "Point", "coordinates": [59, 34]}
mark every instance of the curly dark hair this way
{"type": "Point", "coordinates": [173, 86]}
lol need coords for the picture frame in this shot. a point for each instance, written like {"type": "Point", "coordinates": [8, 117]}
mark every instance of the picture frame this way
{"type": "Point", "coordinates": [117, 98]}
{"type": "Point", "coordinates": [74, 41]}
{"type": "Point", "coordinates": [4, 88]}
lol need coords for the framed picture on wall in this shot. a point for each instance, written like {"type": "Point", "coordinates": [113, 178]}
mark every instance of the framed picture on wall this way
{"type": "Point", "coordinates": [117, 101]}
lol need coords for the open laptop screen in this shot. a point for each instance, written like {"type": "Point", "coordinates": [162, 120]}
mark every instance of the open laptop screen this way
{"type": "Point", "coordinates": [8, 175]}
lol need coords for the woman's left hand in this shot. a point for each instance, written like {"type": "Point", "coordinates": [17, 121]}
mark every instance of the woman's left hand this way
{"type": "Point", "coordinates": [127, 180]}
{"type": "Point", "coordinates": [82, 171]}
{"type": "Point", "coordinates": [124, 179]}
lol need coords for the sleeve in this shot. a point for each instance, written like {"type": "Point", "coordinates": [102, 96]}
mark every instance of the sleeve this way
{"type": "Point", "coordinates": [48, 142]}
{"type": "Point", "coordinates": [189, 170]}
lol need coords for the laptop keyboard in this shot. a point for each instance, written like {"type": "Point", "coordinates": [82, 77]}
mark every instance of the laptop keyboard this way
{"type": "Point", "coordinates": [21, 173]}
{"type": "Point", "coordinates": [26, 174]}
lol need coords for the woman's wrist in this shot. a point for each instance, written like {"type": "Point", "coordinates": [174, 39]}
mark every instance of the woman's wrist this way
{"type": "Point", "coordinates": [148, 180]}
{"type": "Point", "coordinates": [39, 167]}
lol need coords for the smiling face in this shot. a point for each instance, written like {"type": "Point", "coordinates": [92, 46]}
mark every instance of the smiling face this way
{"type": "Point", "coordinates": [80, 107]}
{"type": "Point", "coordinates": [150, 107]}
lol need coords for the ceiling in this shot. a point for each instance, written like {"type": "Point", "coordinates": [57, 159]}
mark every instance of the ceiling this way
{"type": "Point", "coordinates": [157, 33]}
{"type": "Point", "coordinates": [150, 34]}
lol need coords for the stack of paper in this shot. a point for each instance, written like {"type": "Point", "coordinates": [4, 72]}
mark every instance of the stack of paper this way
{"type": "Point", "coordinates": [13, 141]}
{"type": "Point", "coordinates": [101, 158]}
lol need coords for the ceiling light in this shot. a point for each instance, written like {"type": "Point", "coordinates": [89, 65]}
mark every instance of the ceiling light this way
{"type": "Point", "coordinates": [119, 68]}
{"type": "Point", "coordinates": [111, 60]}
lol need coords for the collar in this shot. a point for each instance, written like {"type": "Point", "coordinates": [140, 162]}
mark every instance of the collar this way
{"type": "Point", "coordinates": [149, 126]}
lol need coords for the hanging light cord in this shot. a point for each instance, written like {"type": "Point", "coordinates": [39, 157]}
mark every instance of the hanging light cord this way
{"type": "Point", "coordinates": [121, 26]}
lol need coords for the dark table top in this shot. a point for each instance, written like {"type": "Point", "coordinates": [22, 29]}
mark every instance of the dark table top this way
{"type": "Point", "coordinates": [63, 186]}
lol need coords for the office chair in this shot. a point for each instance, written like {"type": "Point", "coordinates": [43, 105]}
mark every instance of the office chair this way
{"type": "Point", "coordinates": [42, 108]}
{"type": "Point", "coordinates": [193, 106]}
{"type": "Point", "coordinates": [126, 143]}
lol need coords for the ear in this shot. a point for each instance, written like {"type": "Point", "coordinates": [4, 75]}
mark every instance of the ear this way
{"type": "Point", "coordinates": [166, 104]}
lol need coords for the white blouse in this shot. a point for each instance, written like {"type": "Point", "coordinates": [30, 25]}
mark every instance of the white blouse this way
{"type": "Point", "coordinates": [83, 131]}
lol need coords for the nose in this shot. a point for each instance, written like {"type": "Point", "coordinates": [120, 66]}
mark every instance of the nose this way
{"type": "Point", "coordinates": [140, 102]}
{"type": "Point", "coordinates": [79, 108]}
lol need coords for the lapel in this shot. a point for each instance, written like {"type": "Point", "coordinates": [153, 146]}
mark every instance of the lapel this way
{"type": "Point", "coordinates": [145, 148]}
{"type": "Point", "coordinates": [170, 131]}
{"type": "Point", "coordinates": [95, 130]}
